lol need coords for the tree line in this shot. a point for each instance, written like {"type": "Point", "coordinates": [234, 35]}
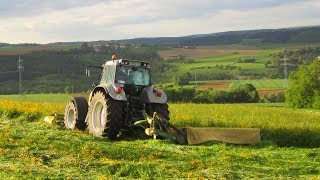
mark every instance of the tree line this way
{"type": "Point", "coordinates": [244, 93]}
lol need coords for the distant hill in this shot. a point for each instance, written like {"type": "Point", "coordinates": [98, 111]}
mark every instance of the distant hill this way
{"type": "Point", "coordinates": [4, 44]}
{"type": "Point", "coordinates": [285, 35]}
{"type": "Point", "coordinates": [308, 34]}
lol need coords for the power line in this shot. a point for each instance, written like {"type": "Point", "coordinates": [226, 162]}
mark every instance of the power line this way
{"type": "Point", "coordinates": [285, 65]}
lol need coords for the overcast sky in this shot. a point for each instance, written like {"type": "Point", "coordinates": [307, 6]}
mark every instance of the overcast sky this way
{"type": "Point", "coordinates": [44, 21]}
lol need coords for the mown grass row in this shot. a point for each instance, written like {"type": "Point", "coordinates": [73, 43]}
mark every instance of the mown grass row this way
{"type": "Point", "coordinates": [279, 125]}
{"type": "Point", "coordinates": [31, 148]}
{"type": "Point", "coordinates": [36, 150]}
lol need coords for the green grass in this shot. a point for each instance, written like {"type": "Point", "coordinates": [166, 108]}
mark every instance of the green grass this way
{"type": "Point", "coordinates": [281, 125]}
{"type": "Point", "coordinates": [208, 65]}
{"type": "Point", "coordinates": [51, 98]}
{"type": "Point", "coordinates": [289, 149]}
{"type": "Point", "coordinates": [34, 149]}
{"type": "Point", "coordinates": [261, 84]}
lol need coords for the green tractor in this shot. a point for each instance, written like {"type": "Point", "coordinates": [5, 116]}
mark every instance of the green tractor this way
{"type": "Point", "coordinates": [121, 98]}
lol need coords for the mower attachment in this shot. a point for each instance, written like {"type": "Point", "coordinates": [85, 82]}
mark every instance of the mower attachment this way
{"type": "Point", "coordinates": [197, 135]}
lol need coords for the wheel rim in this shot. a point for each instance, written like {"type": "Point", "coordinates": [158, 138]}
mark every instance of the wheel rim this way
{"type": "Point", "coordinates": [98, 116]}
{"type": "Point", "coordinates": [70, 118]}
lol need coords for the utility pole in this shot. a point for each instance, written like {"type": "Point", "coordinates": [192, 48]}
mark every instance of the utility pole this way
{"type": "Point", "coordinates": [195, 79]}
{"type": "Point", "coordinates": [285, 65]}
{"type": "Point", "coordinates": [20, 70]}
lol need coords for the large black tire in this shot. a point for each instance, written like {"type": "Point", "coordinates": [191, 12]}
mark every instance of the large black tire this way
{"type": "Point", "coordinates": [104, 116]}
{"type": "Point", "coordinates": [162, 109]}
{"type": "Point", "coordinates": [75, 114]}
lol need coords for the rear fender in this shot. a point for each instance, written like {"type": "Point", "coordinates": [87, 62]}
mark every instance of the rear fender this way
{"type": "Point", "coordinates": [111, 90]}
{"type": "Point", "coordinates": [149, 95]}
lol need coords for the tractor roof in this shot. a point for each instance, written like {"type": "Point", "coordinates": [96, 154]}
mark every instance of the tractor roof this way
{"type": "Point", "coordinates": [127, 62]}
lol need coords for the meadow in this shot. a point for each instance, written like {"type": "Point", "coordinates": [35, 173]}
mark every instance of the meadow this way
{"type": "Point", "coordinates": [31, 148]}
{"type": "Point", "coordinates": [214, 63]}
{"type": "Point", "coordinates": [261, 84]}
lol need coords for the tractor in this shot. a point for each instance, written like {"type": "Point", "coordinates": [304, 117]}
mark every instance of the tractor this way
{"type": "Point", "coordinates": [125, 98]}
{"type": "Point", "coordinates": [121, 98]}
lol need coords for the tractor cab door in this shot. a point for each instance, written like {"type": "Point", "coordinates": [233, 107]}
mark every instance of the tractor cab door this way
{"type": "Point", "coordinates": [108, 74]}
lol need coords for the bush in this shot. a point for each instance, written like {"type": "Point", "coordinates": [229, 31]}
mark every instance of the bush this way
{"type": "Point", "coordinates": [280, 97]}
{"type": "Point", "coordinates": [182, 79]}
{"type": "Point", "coordinates": [247, 60]}
{"type": "Point", "coordinates": [245, 93]}
{"type": "Point", "coordinates": [304, 88]}
{"type": "Point", "coordinates": [180, 94]}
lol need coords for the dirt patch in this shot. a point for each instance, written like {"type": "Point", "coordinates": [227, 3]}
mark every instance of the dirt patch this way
{"type": "Point", "coordinates": [214, 85]}
{"type": "Point", "coordinates": [268, 93]}
{"type": "Point", "coordinates": [198, 53]}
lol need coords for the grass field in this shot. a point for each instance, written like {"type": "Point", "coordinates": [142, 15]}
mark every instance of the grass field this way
{"type": "Point", "coordinates": [30, 148]}
{"type": "Point", "coordinates": [49, 98]}
{"type": "Point", "coordinates": [227, 62]}
{"type": "Point", "coordinates": [261, 84]}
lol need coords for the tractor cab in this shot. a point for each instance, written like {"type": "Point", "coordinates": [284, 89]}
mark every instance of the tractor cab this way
{"type": "Point", "coordinates": [126, 72]}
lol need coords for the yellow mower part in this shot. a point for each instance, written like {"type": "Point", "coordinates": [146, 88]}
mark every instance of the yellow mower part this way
{"type": "Point", "coordinates": [228, 135]}
{"type": "Point", "coordinates": [50, 119]}
{"type": "Point", "coordinates": [53, 119]}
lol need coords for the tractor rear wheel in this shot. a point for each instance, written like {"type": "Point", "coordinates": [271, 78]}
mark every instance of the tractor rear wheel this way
{"type": "Point", "coordinates": [162, 109]}
{"type": "Point", "coordinates": [104, 116]}
{"type": "Point", "coordinates": [75, 113]}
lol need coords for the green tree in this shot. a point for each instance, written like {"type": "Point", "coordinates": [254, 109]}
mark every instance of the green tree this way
{"type": "Point", "coordinates": [304, 89]}
{"type": "Point", "coordinates": [183, 79]}
{"type": "Point", "coordinates": [245, 93]}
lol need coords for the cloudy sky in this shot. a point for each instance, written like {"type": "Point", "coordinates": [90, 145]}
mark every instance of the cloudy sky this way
{"type": "Point", "coordinates": [44, 21]}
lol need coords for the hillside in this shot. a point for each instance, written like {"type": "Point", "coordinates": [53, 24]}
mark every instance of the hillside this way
{"type": "Point", "coordinates": [285, 35]}
{"type": "Point", "coordinates": [308, 34]}
{"type": "Point", "coordinates": [254, 54]}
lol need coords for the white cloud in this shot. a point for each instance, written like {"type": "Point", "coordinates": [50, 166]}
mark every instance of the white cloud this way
{"type": "Point", "coordinates": [106, 20]}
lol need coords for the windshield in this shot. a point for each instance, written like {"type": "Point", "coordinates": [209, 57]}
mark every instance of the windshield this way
{"type": "Point", "coordinates": [133, 75]}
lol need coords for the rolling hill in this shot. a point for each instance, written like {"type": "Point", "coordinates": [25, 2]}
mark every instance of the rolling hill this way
{"type": "Point", "coordinates": [58, 66]}
{"type": "Point", "coordinates": [285, 35]}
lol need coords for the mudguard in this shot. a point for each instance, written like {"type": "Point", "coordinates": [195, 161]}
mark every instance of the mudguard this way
{"type": "Point", "coordinates": [111, 90]}
{"type": "Point", "coordinates": [149, 95]}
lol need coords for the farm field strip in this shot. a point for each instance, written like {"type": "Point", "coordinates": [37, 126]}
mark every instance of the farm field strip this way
{"type": "Point", "coordinates": [35, 150]}
{"type": "Point", "coordinates": [230, 59]}
{"type": "Point", "coordinates": [30, 148]}
{"type": "Point", "coordinates": [210, 115]}
{"type": "Point", "coordinates": [262, 83]}
{"type": "Point", "coordinates": [203, 52]}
